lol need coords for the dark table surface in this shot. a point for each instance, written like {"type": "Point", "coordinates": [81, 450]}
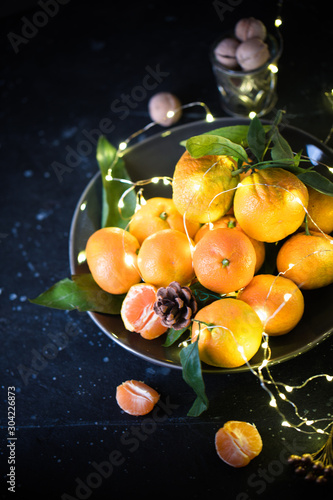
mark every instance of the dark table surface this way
{"type": "Point", "coordinates": [60, 74]}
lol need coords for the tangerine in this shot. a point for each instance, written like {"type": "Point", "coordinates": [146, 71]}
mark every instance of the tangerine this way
{"type": "Point", "coordinates": [111, 254]}
{"type": "Point", "coordinates": [320, 211]}
{"type": "Point", "coordinates": [136, 397]}
{"type": "Point", "coordinates": [307, 259]}
{"type": "Point", "coordinates": [137, 311]}
{"type": "Point", "coordinates": [270, 204]}
{"type": "Point", "coordinates": [157, 214]}
{"type": "Point", "coordinates": [228, 332]}
{"type": "Point", "coordinates": [203, 188]}
{"type": "Point", "coordinates": [278, 302]}
{"type": "Point", "coordinates": [224, 260]}
{"type": "Point", "coordinates": [230, 222]}
{"type": "Point", "coordinates": [166, 256]}
{"type": "Point", "coordinates": [237, 443]}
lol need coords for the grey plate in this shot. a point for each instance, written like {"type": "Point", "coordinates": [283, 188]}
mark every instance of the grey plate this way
{"type": "Point", "coordinates": [157, 156]}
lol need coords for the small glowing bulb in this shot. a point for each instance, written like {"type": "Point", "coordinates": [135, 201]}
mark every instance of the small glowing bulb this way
{"type": "Point", "coordinates": [273, 403]}
{"type": "Point", "coordinates": [278, 22]}
{"type": "Point", "coordinates": [108, 177]}
{"type": "Point", "coordinates": [252, 114]}
{"type": "Point", "coordinates": [240, 349]}
{"type": "Point", "coordinates": [264, 345]}
{"type": "Point", "coordinates": [122, 146]}
{"type": "Point", "coordinates": [282, 396]}
{"type": "Point", "coordinates": [129, 260]}
{"type": "Point", "coordinates": [196, 186]}
{"type": "Point", "coordinates": [273, 68]}
{"type": "Point", "coordinates": [170, 114]}
{"type": "Point", "coordinates": [286, 424]}
{"type": "Point", "coordinates": [83, 206]}
{"type": "Point", "coordinates": [309, 422]}
{"type": "Point", "coordinates": [209, 118]}
{"type": "Point", "coordinates": [166, 181]}
{"type": "Point", "coordinates": [121, 204]}
{"type": "Point", "coordinates": [154, 180]}
{"type": "Point", "coordinates": [264, 363]}
{"type": "Point", "coordinates": [320, 431]}
{"type": "Point", "coordinates": [262, 314]}
{"type": "Point", "coordinates": [288, 388]}
{"type": "Point", "coordinates": [287, 296]}
{"type": "Point", "coordinates": [329, 378]}
{"type": "Point", "coordinates": [81, 257]}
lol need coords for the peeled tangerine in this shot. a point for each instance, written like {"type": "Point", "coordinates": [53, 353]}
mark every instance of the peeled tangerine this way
{"type": "Point", "coordinates": [237, 443]}
{"type": "Point", "coordinates": [137, 311]}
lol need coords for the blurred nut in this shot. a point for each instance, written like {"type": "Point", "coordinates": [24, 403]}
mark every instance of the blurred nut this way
{"type": "Point", "coordinates": [225, 52]}
{"type": "Point", "coordinates": [164, 108]}
{"type": "Point", "coordinates": [252, 54]}
{"type": "Point", "coordinates": [250, 28]}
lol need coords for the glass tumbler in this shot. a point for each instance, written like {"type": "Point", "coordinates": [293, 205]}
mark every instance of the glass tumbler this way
{"type": "Point", "coordinates": [244, 93]}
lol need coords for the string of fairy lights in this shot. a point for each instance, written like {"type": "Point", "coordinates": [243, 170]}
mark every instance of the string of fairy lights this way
{"type": "Point", "coordinates": [278, 392]}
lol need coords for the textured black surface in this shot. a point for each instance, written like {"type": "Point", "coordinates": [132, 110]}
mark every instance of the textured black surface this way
{"type": "Point", "coordinates": [61, 85]}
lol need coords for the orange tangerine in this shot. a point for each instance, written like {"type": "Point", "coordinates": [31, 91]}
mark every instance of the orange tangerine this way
{"type": "Point", "coordinates": [270, 204]}
{"type": "Point", "coordinates": [230, 222]}
{"type": "Point", "coordinates": [112, 259]}
{"type": "Point", "coordinates": [278, 302]}
{"type": "Point", "coordinates": [136, 397]}
{"type": "Point", "coordinates": [137, 311]}
{"type": "Point", "coordinates": [157, 214]}
{"type": "Point", "coordinates": [307, 260]}
{"type": "Point", "coordinates": [228, 332]}
{"type": "Point", "coordinates": [224, 260]}
{"type": "Point", "coordinates": [166, 256]}
{"type": "Point", "coordinates": [237, 443]}
{"type": "Point", "coordinates": [320, 210]}
{"type": "Point", "coordinates": [203, 188]}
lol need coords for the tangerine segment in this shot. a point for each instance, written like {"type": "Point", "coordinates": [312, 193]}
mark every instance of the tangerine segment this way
{"type": "Point", "coordinates": [278, 302]}
{"type": "Point", "coordinates": [228, 332]}
{"type": "Point", "coordinates": [157, 214]}
{"type": "Point", "coordinates": [136, 398]}
{"type": "Point", "coordinates": [224, 260]}
{"type": "Point", "coordinates": [270, 204]}
{"type": "Point", "coordinates": [166, 256]}
{"type": "Point", "coordinates": [307, 260]}
{"type": "Point", "coordinates": [237, 443]}
{"type": "Point", "coordinates": [112, 257]}
{"type": "Point", "coordinates": [137, 312]}
{"type": "Point", "coordinates": [203, 188]}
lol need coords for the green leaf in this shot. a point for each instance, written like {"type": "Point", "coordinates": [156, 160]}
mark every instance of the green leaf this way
{"type": "Point", "coordinates": [256, 138]}
{"type": "Point", "coordinates": [113, 189]}
{"type": "Point", "coordinates": [192, 374]}
{"type": "Point", "coordinates": [203, 296]}
{"type": "Point", "coordinates": [317, 181]}
{"type": "Point", "coordinates": [173, 335]}
{"type": "Point", "coordinates": [281, 148]}
{"type": "Point", "coordinates": [202, 145]}
{"type": "Point", "coordinates": [81, 293]}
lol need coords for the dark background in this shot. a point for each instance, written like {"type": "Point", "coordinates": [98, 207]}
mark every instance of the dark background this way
{"type": "Point", "coordinates": [63, 81]}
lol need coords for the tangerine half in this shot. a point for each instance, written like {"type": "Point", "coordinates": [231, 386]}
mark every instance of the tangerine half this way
{"type": "Point", "coordinates": [237, 443]}
{"type": "Point", "coordinates": [137, 311]}
{"type": "Point", "coordinates": [136, 397]}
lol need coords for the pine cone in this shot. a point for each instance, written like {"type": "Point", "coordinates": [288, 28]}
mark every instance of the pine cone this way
{"type": "Point", "coordinates": [175, 305]}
